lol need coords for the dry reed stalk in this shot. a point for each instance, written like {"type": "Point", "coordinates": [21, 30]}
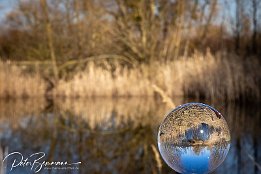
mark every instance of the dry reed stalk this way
{"type": "Point", "coordinates": [157, 157]}
{"type": "Point", "coordinates": [3, 154]}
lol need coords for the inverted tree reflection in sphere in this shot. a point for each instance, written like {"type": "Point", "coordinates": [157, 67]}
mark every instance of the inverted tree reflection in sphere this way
{"type": "Point", "coordinates": [194, 138]}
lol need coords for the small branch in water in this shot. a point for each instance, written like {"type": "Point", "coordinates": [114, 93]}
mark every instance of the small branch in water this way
{"type": "Point", "coordinates": [165, 98]}
{"type": "Point", "coordinates": [255, 163]}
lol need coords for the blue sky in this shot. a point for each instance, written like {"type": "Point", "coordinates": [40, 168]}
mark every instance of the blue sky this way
{"type": "Point", "coordinates": [6, 6]}
{"type": "Point", "coordinates": [227, 7]}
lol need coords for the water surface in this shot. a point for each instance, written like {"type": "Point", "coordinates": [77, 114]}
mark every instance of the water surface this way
{"type": "Point", "coordinates": [112, 135]}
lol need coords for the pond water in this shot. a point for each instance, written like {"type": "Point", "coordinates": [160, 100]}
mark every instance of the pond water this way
{"type": "Point", "coordinates": [110, 136]}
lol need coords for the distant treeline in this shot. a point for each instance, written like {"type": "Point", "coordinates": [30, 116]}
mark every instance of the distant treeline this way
{"type": "Point", "coordinates": [137, 30]}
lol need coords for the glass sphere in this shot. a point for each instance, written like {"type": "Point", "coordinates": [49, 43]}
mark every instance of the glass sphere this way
{"type": "Point", "coordinates": [194, 138]}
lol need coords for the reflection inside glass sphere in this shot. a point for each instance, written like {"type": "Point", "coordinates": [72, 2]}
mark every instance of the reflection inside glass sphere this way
{"type": "Point", "coordinates": [193, 159]}
{"type": "Point", "coordinates": [194, 138]}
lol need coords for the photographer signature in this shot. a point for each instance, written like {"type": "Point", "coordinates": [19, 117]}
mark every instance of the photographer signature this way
{"type": "Point", "coordinates": [35, 161]}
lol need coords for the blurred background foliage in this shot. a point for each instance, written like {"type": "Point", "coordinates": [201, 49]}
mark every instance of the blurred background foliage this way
{"type": "Point", "coordinates": [58, 39]}
{"type": "Point", "coordinates": [138, 30]}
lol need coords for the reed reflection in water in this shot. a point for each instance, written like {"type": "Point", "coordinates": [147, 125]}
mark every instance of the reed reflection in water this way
{"type": "Point", "coordinates": [113, 136]}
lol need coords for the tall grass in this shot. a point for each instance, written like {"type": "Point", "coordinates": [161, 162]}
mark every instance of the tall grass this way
{"type": "Point", "coordinates": [201, 76]}
{"type": "Point", "coordinates": [15, 83]}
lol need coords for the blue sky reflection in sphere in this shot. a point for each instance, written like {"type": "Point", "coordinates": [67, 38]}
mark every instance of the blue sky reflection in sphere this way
{"type": "Point", "coordinates": [194, 138]}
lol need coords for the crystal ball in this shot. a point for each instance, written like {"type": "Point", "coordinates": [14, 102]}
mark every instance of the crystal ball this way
{"type": "Point", "coordinates": [194, 138]}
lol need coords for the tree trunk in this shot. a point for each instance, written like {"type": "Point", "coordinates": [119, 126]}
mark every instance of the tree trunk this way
{"type": "Point", "coordinates": [238, 26]}
{"type": "Point", "coordinates": [48, 30]}
{"type": "Point", "coordinates": [254, 36]}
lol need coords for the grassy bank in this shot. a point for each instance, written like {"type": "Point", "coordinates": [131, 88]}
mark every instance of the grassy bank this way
{"type": "Point", "coordinates": [201, 76]}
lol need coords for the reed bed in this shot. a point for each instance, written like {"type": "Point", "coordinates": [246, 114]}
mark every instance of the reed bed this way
{"type": "Point", "coordinates": [15, 83]}
{"type": "Point", "coordinates": [231, 78]}
{"type": "Point", "coordinates": [199, 76]}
